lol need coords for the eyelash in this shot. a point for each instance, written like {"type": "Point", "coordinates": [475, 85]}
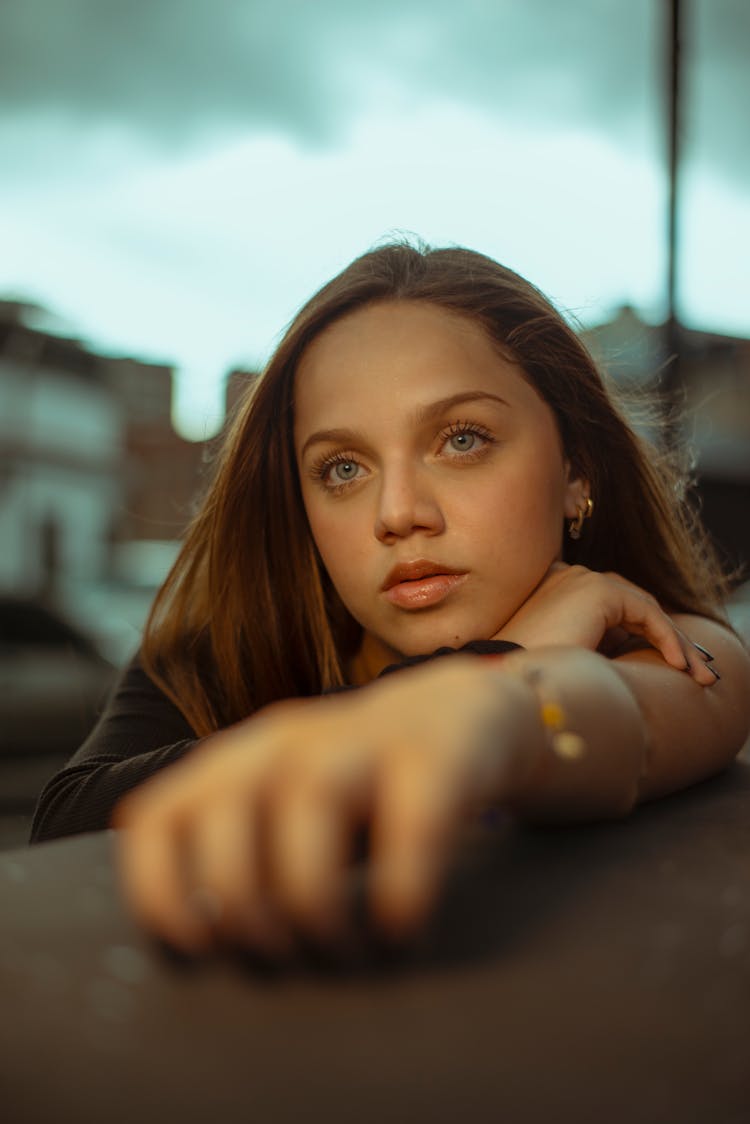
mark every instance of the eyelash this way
{"type": "Point", "coordinates": [473, 429]}
{"type": "Point", "coordinates": [319, 469]}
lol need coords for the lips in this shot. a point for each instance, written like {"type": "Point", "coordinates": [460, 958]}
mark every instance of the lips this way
{"type": "Point", "coordinates": [416, 571]}
{"type": "Point", "coordinates": [421, 585]}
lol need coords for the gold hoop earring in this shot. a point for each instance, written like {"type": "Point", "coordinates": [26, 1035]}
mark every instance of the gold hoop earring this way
{"type": "Point", "coordinates": [576, 525]}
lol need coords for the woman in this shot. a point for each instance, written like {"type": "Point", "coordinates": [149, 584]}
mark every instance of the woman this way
{"type": "Point", "coordinates": [430, 462]}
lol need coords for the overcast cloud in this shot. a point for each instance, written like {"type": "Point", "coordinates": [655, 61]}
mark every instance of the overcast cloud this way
{"type": "Point", "coordinates": [176, 176]}
{"type": "Point", "coordinates": [173, 71]}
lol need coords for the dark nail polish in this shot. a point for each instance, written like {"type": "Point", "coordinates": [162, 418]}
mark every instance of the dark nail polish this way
{"type": "Point", "coordinates": [714, 671]}
{"type": "Point", "coordinates": [704, 651]}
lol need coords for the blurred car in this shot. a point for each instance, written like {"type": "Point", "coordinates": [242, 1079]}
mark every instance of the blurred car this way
{"type": "Point", "coordinates": [53, 683]}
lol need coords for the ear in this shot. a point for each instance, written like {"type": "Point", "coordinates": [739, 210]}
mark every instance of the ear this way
{"type": "Point", "coordinates": [577, 491]}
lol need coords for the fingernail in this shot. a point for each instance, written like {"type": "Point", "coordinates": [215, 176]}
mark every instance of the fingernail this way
{"type": "Point", "coordinates": [713, 671]}
{"type": "Point", "coordinates": [705, 652]}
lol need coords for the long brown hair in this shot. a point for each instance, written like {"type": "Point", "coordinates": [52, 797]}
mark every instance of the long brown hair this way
{"type": "Point", "coordinates": [248, 615]}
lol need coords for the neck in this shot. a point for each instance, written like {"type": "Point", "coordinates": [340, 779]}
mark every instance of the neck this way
{"type": "Point", "coordinates": [373, 655]}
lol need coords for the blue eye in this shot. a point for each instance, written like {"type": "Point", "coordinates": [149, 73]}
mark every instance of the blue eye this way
{"type": "Point", "coordinates": [344, 470]}
{"type": "Point", "coordinates": [463, 442]}
{"type": "Point", "coordinates": [337, 471]}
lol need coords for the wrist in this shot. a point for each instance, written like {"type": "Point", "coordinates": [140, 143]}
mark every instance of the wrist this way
{"type": "Point", "coordinates": [519, 739]}
{"type": "Point", "coordinates": [572, 771]}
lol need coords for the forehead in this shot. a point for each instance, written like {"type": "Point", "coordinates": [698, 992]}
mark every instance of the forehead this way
{"type": "Point", "coordinates": [403, 354]}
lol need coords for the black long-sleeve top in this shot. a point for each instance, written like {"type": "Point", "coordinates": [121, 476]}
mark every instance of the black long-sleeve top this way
{"type": "Point", "coordinates": [140, 732]}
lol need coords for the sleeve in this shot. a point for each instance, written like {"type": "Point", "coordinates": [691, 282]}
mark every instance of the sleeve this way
{"type": "Point", "coordinates": [139, 732]}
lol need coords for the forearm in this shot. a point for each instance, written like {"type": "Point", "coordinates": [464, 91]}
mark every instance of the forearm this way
{"type": "Point", "coordinates": [590, 700]}
{"type": "Point", "coordinates": [693, 732]}
{"type": "Point", "coordinates": [646, 728]}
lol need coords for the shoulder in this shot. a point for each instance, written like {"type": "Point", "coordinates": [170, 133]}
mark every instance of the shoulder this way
{"type": "Point", "coordinates": [137, 714]}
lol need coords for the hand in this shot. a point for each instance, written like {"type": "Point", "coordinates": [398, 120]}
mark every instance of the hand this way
{"type": "Point", "coordinates": [580, 607]}
{"type": "Point", "coordinates": [247, 840]}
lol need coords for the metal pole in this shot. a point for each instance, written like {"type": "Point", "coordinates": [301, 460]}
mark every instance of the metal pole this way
{"type": "Point", "coordinates": [672, 335]}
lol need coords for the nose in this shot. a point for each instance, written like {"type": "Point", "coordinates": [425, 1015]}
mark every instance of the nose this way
{"type": "Point", "coordinates": [407, 504]}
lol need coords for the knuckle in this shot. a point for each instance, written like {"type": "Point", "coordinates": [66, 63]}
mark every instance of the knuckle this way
{"type": "Point", "coordinates": [308, 774]}
{"type": "Point", "coordinates": [579, 570]}
{"type": "Point", "coordinates": [600, 583]}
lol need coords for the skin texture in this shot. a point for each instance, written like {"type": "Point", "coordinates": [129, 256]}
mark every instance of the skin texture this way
{"type": "Point", "coordinates": [248, 839]}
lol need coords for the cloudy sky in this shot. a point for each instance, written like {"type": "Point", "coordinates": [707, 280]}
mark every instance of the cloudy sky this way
{"type": "Point", "coordinates": [177, 176]}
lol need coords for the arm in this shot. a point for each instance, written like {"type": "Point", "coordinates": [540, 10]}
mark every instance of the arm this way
{"type": "Point", "coordinates": [258, 823]}
{"type": "Point", "coordinates": [140, 732]}
{"type": "Point", "coordinates": [648, 729]}
{"type": "Point", "coordinates": [603, 612]}
{"type": "Point", "coordinates": [693, 733]}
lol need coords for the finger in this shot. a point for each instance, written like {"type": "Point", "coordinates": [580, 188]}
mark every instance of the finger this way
{"type": "Point", "coordinates": [150, 857]}
{"type": "Point", "coordinates": [701, 669]}
{"type": "Point", "coordinates": [629, 607]}
{"type": "Point", "coordinates": [641, 614]}
{"type": "Point", "coordinates": [311, 825]}
{"type": "Point", "coordinates": [415, 819]}
{"type": "Point", "coordinates": [227, 871]}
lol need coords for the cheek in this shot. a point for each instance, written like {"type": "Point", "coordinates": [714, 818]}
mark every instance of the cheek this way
{"type": "Point", "coordinates": [339, 538]}
{"type": "Point", "coordinates": [532, 492]}
{"type": "Point", "coordinates": [525, 510]}
{"type": "Point", "coordinates": [323, 531]}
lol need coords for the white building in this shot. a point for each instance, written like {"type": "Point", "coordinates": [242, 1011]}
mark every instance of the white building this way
{"type": "Point", "coordinates": [62, 431]}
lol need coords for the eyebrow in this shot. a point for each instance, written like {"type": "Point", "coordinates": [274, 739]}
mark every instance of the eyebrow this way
{"type": "Point", "coordinates": [422, 415]}
{"type": "Point", "coordinates": [435, 409]}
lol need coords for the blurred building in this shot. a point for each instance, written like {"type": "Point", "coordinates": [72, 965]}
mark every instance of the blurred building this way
{"type": "Point", "coordinates": [163, 471]}
{"type": "Point", "coordinates": [62, 438]}
{"type": "Point", "coordinates": [715, 377]}
{"type": "Point", "coordinates": [89, 458]}
{"type": "Point", "coordinates": [236, 386]}
{"type": "Point", "coordinates": [96, 487]}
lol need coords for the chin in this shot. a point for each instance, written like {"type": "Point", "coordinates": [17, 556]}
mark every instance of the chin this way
{"type": "Point", "coordinates": [424, 640]}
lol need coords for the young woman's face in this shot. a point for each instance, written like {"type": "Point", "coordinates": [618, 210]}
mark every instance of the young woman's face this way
{"type": "Point", "coordinates": [432, 474]}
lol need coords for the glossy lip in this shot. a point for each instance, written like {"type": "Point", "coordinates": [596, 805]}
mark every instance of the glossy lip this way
{"type": "Point", "coordinates": [414, 571]}
{"type": "Point", "coordinates": [423, 593]}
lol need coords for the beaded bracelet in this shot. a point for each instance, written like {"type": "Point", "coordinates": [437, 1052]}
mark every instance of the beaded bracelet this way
{"type": "Point", "coordinates": [564, 743]}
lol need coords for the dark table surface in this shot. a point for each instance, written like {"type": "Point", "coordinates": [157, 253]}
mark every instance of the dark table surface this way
{"type": "Point", "coordinates": [594, 974]}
